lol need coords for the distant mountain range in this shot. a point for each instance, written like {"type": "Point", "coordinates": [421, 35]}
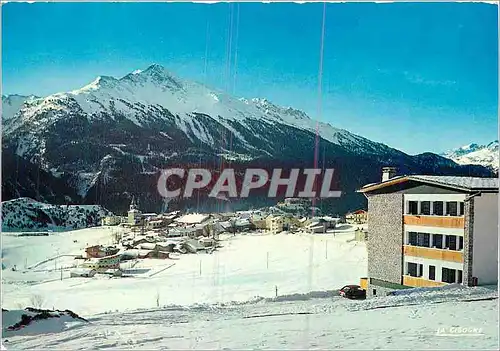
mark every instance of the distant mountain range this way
{"type": "Point", "coordinates": [475, 154]}
{"type": "Point", "coordinates": [109, 140]}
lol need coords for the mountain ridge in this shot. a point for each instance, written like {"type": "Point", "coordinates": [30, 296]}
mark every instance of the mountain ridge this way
{"type": "Point", "coordinates": [112, 137]}
{"type": "Point", "coordinates": [476, 154]}
{"type": "Point", "coordinates": [91, 102]}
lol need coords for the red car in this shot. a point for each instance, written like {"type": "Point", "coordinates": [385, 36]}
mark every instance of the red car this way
{"type": "Point", "coordinates": [353, 292]}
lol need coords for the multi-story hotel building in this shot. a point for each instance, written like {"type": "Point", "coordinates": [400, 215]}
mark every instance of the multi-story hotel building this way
{"type": "Point", "coordinates": [428, 231]}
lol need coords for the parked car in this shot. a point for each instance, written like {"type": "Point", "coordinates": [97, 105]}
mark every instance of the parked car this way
{"type": "Point", "coordinates": [354, 292]}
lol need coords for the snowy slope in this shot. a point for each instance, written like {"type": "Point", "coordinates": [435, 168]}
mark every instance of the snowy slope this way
{"type": "Point", "coordinates": [474, 154]}
{"type": "Point", "coordinates": [304, 323]}
{"type": "Point", "coordinates": [28, 214]}
{"type": "Point", "coordinates": [227, 300]}
{"type": "Point", "coordinates": [52, 322]}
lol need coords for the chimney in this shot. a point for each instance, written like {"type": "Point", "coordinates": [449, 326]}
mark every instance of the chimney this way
{"type": "Point", "coordinates": [388, 173]}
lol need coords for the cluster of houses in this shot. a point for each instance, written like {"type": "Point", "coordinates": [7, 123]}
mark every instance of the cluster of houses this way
{"type": "Point", "coordinates": [157, 236]}
{"type": "Point", "coordinates": [282, 217]}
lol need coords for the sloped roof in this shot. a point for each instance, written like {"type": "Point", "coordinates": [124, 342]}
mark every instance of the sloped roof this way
{"type": "Point", "coordinates": [468, 184]}
{"type": "Point", "coordinates": [471, 183]}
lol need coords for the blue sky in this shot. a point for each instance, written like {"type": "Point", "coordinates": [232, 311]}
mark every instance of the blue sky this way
{"type": "Point", "coordinates": [418, 77]}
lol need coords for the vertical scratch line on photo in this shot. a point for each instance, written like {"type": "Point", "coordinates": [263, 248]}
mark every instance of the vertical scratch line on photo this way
{"type": "Point", "coordinates": [320, 92]}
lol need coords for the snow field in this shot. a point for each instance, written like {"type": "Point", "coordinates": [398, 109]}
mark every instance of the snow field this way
{"type": "Point", "coordinates": [226, 300]}
{"type": "Point", "coordinates": [245, 267]}
{"type": "Point", "coordinates": [312, 324]}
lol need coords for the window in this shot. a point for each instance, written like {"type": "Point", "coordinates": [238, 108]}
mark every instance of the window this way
{"type": "Point", "coordinates": [448, 275]}
{"type": "Point", "coordinates": [412, 269]}
{"type": "Point", "coordinates": [432, 272]}
{"type": "Point", "coordinates": [412, 238]}
{"type": "Point", "coordinates": [438, 208]}
{"type": "Point", "coordinates": [451, 209]}
{"type": "Point", "coordinates": [459, 278]}
{"type": "Point", "coordinates": [460, 242]}
{"type": "Point", "coordinates": [425, 208]}
{"type": "Point", "coordinates": [374, 292]}
{"type": "Point", "coordinates": [420, 272]}
{"type": "Point", "coordinates": [437, 240]}
{"type": "Point", "coordinates": [423, 239]}
{"type": "Point", "coordinates": [413, 207]}
{"type": "Point", "coordinates": [451, 242]}
{"type": "Point", "coordinates": [462, 209]}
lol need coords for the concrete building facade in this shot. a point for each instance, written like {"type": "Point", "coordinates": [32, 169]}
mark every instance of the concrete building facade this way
{"type": "Point", "coordinates": [428, 231]}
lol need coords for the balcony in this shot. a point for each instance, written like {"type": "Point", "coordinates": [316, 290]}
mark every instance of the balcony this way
{"type": "Point", "coordinates": [435, 221]}
{"type": "Point", "coordinates": [433, 254]}
{"type": "Point", "coordinates": [420, 282]}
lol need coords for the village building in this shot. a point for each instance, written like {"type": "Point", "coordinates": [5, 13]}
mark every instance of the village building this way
{"type": "Point", "coordinates": [428, 231]}
{"type": "Point", "coordinates": [98, 251]}
{"type": "Point", "coordinates": [193, 218]}
{"type": "Point", "coordinates": [297, 201]}
{"type": "Point", "coordinates": [157, 254]}
{"type": "Point", "coordinates": [207, 242]}
{"type": "Point", "coordinates": [134, 215]}
{"type": "Point", "coordinates": [317, 227]}
{"type": "Point", "coordinates": [111, 220]}
{"type": "Point", "coordinates": [155, 224]}
{"type": "Point", "coordinates": [274, 224]}
{"type": "Point", "coordinates": [321, 224]}
{"type": "Point", "coordinates": [357, 217]}
{"type": "Point", "coordinates": [259, 221]}
{"type": "Point", "coordinates": [303, 222]}
{"type": "Point", "coordinates": [103, 263]}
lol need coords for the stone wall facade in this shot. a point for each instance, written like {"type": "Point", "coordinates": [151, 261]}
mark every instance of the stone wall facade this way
{"type": "Point", "coordinates": [385, 237]}
{"type": "Point", "coordinates": [468, 241]}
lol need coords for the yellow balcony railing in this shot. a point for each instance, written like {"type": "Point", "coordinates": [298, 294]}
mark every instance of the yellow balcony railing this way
{"type": "Point", "coordinates": [435, 221]}
{"type": "Point", "coordinates": [420, 282]}
{"type": "Point", "coordinates": [433, 254]}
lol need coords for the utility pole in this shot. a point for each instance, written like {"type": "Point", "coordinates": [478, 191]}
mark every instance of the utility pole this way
{"type": "Point", "coordinates": [267, 260]}
{"type": "Point", "coordinates": [200, 267]}
{"type": "Point", "coordinates": [326, 249]}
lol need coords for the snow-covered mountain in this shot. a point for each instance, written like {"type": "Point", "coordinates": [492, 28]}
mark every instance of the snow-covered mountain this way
{"type": "Point", "coordinates": [111, 138]}
{"type": "Point", "coordinates": [11, 104]}
{"type": "Point", "coordinates": [143, 97]}
{"type": "Point", "coordinates": [475, 154]}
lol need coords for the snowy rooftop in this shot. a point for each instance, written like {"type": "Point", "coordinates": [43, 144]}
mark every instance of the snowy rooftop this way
{"type": "Point", "coordinates": [457, 182]}
{"type": "Point", "coordinates": [472, 183]}
{"type": "Point", "coordinates": [193, 218]}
